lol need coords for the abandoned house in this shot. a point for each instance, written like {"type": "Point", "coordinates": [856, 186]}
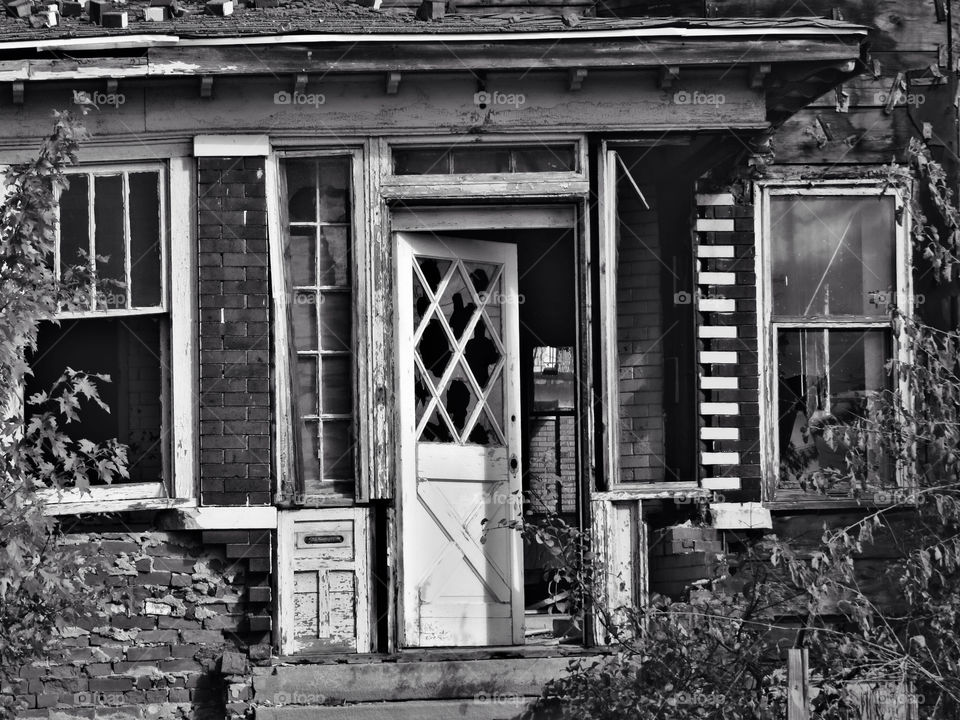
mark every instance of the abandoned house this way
{"type": "Point", "coordinates": [383, 268]}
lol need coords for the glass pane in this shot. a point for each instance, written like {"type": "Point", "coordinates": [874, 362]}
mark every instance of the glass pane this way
{"type": "Point", "coordinates": [337, 387]}
{"type": "Point", "coordinates": [304, 313]}
{"type": "Point", "coordinates": [145, 273]}
{"type": "Point", "coordinates": [75, 229]}
{"type": "Point", "coordinates": [335, 256]}
{"type": "Point", "coordinates": [334, 190]}
{"type": "Point", "coordinates": [481, 160]}
{"type": "Point", "coordinates": [109, 240]}
{"type": "Point", "coordinates": [827, 379]}
{"type": "Point", "coordinates": [335, 321]}
{"type": "Point", "coordinates": [307, 384]}
{"type": "Point", "coordinates": [553, 158]}
{"type": "Point", "coordinates": [337, 450]}
{"type": "Point", "coordinates": [301, 190]}
{"type": "Point", "coordinates": [422, 161]}
{"type": "Point", "coordinates": [832, 255]}
{"type": "Point", "coordinates": [302, 259]}
{"type": "Point", "coordinates": [310, 451]}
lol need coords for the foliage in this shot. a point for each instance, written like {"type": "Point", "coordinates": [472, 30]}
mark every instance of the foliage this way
{"type": "Point", "coordinates": [890, 636]}
{"type": "Point", "coordinates": [41, 581]}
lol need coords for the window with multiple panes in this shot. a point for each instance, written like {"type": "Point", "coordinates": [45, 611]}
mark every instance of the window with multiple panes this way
{"type": "Point", "coordinates": [319, 257]}
{"type": "Point", "coordinates": [111, 223]}
{"type": "Point", "coordinates": [834, 260]}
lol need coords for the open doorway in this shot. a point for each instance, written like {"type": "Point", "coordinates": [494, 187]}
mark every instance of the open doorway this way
{"type": "Point", "coordinates": [462, 588]}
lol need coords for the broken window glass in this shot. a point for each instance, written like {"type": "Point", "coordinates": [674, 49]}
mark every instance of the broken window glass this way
{"type": "Point", "coordinates": [829, 257]}
{"type": "Point", "coordinates": [319, 257]}
{"type": "Point", "coordinates": [832, 257]}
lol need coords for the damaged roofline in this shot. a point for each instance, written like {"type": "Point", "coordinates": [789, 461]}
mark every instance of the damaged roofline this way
{"type": "Point", "coordinates": [842, 34]}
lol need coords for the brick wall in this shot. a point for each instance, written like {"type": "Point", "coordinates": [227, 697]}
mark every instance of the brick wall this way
{"type": "Point", "coordinates": [553, 462]}
{"type": "Point", "coordinates": [729, 371]}
{"type": "Point", "coordinates": [173, 640]}
{"type": "Point", "coordinates": [639, 329]}
{"type": "Point", "coordinates": [234, 332]}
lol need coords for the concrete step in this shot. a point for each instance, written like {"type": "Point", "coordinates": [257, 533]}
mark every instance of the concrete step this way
{"type": "Point", "coordinates": [492, 708]}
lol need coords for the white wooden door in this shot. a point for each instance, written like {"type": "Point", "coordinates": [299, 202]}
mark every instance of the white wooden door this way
{"type": "Point", "coordinates": [459, 395]}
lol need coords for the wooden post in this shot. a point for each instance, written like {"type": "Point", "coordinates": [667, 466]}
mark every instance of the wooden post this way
{"type": "Point", "coordinates": [798, 689]}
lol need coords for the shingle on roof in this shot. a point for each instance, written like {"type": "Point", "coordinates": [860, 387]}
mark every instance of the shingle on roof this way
{"type": "Point", "coordinates": [324, 16]}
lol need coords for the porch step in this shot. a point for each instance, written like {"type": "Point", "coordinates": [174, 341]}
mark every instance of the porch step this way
{"type": "Point", "coordinates": [502, 708]}
{"type": "Point", "coordinates": [377, 681]}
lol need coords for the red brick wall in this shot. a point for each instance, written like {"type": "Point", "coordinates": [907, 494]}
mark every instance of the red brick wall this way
{"type": "Point", "coordinates": [234, 333]}
{"type": "Point", "coordinates": [639, 328]}
{"type": "Point", "coordinates": [176, 603]}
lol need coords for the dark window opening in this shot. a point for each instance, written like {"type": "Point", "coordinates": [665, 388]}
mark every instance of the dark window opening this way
{"type": "Point", "coordinates": [484, 159]}
{"type": "Point", "coordinates": [129, 350]}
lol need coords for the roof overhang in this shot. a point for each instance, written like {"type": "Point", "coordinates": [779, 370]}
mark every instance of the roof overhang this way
{"type": "Point", "coordinates": [794, 63]}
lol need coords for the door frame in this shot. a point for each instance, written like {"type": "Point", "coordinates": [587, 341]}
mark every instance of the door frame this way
{"type": "Point", "coordinates": [510, 213]}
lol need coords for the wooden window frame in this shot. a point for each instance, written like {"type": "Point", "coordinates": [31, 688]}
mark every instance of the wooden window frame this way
{"type": "Point", "coordinates": [607, 226]}
{"type": "Point", "coordinates": [285, 453]}
{"type": "Point", "coordinates": [176, 488]}
{"type": "Point", "coordinates": [767, 327]}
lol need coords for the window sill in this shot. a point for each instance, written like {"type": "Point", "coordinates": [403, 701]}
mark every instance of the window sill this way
{"type": "Point", "coordinates": [75, 503]}
{"type": "Point", "coordinates": [653, 491]}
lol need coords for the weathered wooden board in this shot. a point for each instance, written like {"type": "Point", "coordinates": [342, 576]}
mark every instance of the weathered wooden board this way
{"type": "Point", "coordinates": [612, 101]}
{"type": "Point", "coordinates": [484, 707]}
{"type": "Point", "coordinates": [863, 135]}
{"type": "Point", "coordinates": [894, 24]}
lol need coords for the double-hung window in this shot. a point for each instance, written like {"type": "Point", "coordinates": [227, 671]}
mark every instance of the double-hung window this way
{"type": "Point", "coordinates": [835, 260]}
{"type": "Point", "coordinates": [112, 222]}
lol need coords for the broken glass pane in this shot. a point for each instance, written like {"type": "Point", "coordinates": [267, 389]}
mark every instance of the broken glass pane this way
{"type": "Point", "coordinates": [145, 271]}
{"type": "Point", "coordinates": [827, 378]}
{"type": "Point", "coordinates": [335, 255]}
{"type": "Point", "coordinates": [334, 190]}
{"type": "Point", "coordinates": [433, 271]}
{"type": "Point", "coordinates": [301, 190]}
{"type": "Point", "coordinates": [832, 255]}
{"type": "Point", "coordinates": [108, 208]}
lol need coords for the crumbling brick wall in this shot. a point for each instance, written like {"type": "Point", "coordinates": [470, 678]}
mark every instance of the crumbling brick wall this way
{"type": "Point", "coordinates": [553, 462]}
{"type": "Point", "coordinates": [172, 638]}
